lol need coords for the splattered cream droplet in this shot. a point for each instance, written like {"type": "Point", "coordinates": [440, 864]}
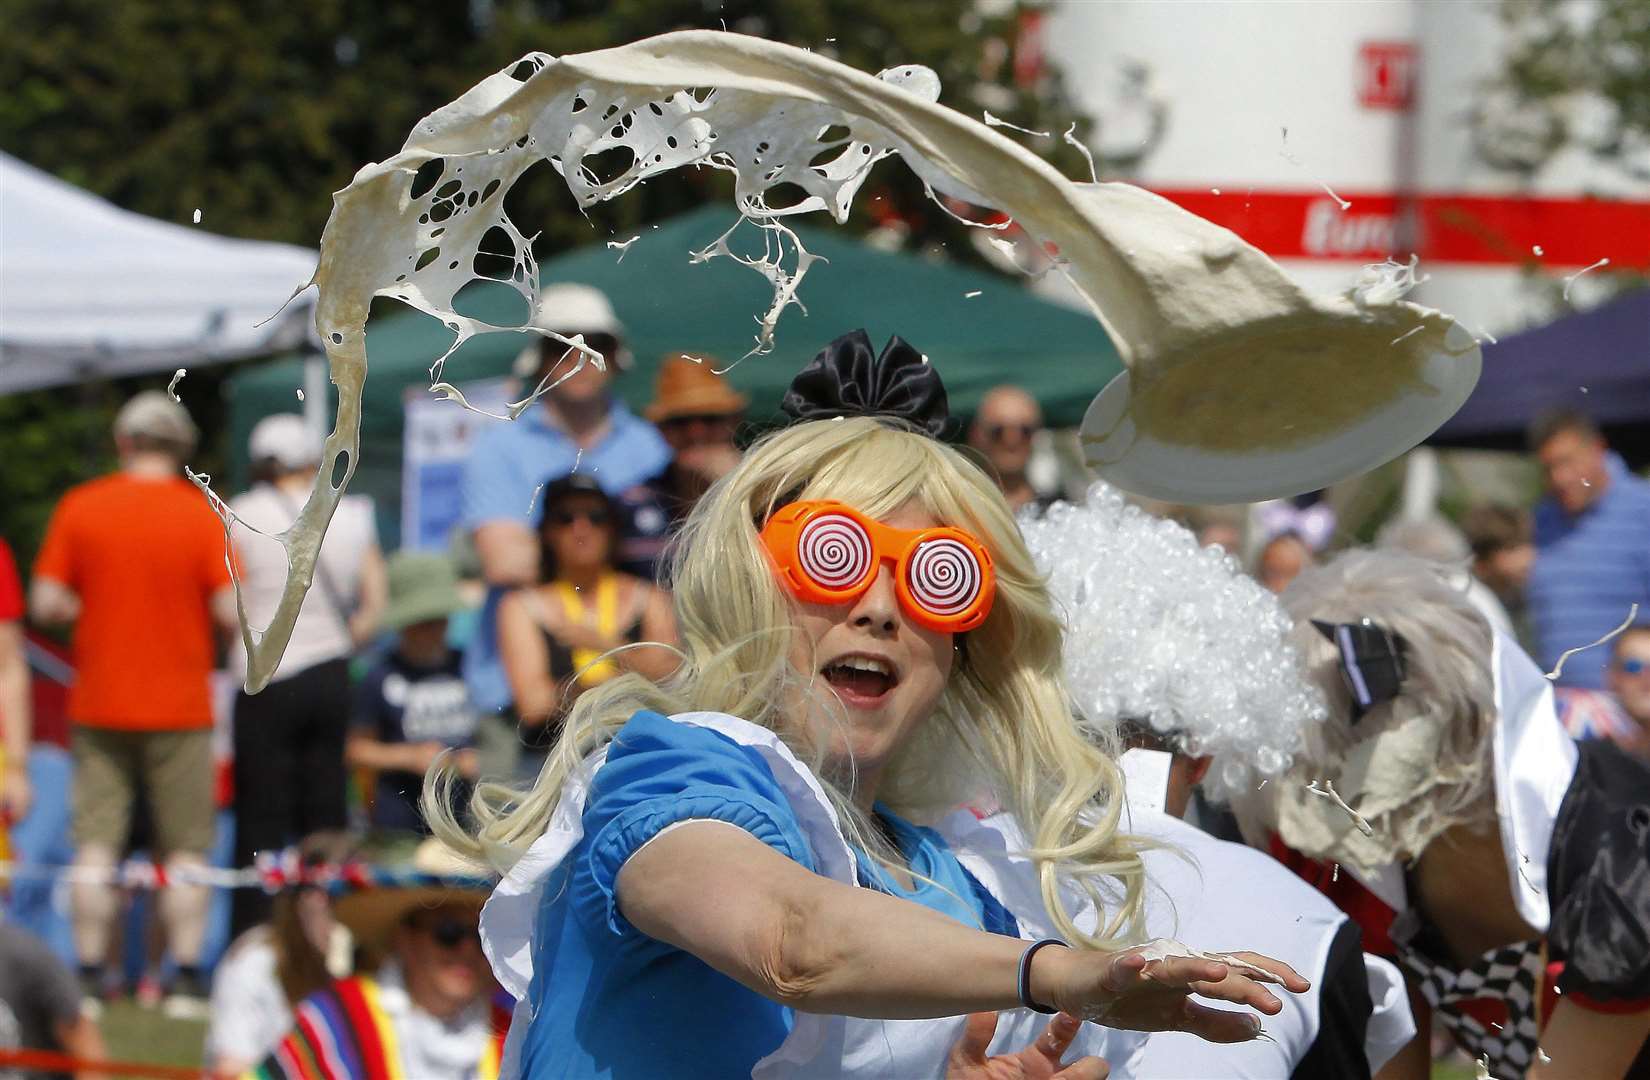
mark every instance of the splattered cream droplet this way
{"type": "Point", "coordinates": [1328, 792]}
{"type": "Point", "coordinates": [992, 121]}
{"type": "Point", "coordinates": [623, 247]}
{"type": "Point", "coordinates": [197, 215]}
{"type": "Point", "coordinates": [1214, 191]}
{"type": "Point", "coordinates": [1570, 279]}
{"type": "Point", "coordinates": [973, 294]}
{"type": "Point", "coordinates": [1070, 136]}
{"type": "Point", "coordinates": [1632, 613]}
{"type": "Point", "coordinates": [1537, 250]}
{"type": "Point", "coordinates": [172, 387]}
{"type": "Point", "coordinates": [300, 395]}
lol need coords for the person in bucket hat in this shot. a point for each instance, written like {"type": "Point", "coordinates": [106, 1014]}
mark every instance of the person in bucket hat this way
{"type": "Point", "coordinates": [413, 705]}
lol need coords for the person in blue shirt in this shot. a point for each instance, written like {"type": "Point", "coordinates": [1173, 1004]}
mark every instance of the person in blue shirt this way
{"type": "Point", "coordinates": [767, 864]}
{"type": "Point", "coordinates": [576, 424]}
{"type": "Point", "coordinates": [1592, 547]}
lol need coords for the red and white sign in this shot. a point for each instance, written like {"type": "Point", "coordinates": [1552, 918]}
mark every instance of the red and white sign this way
{"type": "Point", "coordinates": [1386, 73]}
{"type": "Point", "coordinates": [1449, 228]}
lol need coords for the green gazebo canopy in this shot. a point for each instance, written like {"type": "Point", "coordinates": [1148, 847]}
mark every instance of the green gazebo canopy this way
{"type": "Point", "coordinates": [979, 328]}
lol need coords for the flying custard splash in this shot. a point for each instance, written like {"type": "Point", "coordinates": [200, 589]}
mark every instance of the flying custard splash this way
{"type": "Point", "coordinates": [1200, 318]}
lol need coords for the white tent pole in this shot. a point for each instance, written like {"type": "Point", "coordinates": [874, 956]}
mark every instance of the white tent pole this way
{"type": "Point", "coordinates": [1421, 484]}
{"type": "Point", "coordinates": [315, 393]}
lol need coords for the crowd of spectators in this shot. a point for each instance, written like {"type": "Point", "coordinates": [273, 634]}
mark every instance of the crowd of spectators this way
{"type": "Point", "coordinates": [570, 512]}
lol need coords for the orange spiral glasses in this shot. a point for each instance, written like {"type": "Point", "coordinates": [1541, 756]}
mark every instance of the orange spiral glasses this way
{"type": "Point", "coordinates": [828, 553]}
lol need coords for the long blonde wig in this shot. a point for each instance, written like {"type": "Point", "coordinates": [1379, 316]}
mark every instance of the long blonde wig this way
{"type": "Point", "coordinates": [1413, 767]}
{"type": "Point", "coordinates": [1002, 733]}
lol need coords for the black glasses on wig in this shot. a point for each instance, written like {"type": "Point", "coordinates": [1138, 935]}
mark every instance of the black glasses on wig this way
{"type": "Point", "coordinates": [1373, 661]}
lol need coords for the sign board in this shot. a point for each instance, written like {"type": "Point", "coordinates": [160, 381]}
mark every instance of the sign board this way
{"type": "Point", "coordinates": [436, 439]}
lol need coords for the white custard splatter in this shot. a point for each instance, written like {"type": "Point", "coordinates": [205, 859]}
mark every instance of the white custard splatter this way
{"type": "Point", "coordinates": [997, 122]}
{"type": "Point", "coordinates": [1632, 613]}
{"type": "Point", "coordinates": [1570, 279]}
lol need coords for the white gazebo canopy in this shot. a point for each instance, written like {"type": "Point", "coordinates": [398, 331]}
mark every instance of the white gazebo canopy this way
{"type": "Point", "coordinates": [88, 290]}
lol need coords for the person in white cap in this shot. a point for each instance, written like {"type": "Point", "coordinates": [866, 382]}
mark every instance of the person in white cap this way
{"type": "Point", "coordinates": [578, 423]}
{"type": "Point", "coordinates": [1174, 644]}
{"type": "Point", "coordinates": [289, 739]}
{"type": "Point", "coordinates": [135, 560]}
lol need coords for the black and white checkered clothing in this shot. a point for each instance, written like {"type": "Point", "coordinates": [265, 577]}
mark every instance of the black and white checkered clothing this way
{"type": "Point", "coordinates": [1512, 976]}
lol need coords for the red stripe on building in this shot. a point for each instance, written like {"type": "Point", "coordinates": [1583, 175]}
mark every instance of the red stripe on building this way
{"type": "Point", "coordinates": [1473, 229]}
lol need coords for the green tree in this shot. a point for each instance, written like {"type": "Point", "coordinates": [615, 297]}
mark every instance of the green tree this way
{"type": "Point", "coordinates": [255, 111]}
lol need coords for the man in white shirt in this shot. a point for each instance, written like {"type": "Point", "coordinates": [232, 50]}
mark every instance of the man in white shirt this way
{"type": "Point", "coordinates": [1215, 893]}
{"type": "Point", "coordinates": [1170, 648]}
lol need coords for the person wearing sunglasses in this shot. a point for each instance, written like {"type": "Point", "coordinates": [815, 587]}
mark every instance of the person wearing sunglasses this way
{"type": "Point", "coordinates": [1004, 425]}
{"type": "Point", "coordinates": [432, 1009]}
{"type": "Point", "coordinates": [1628, 678]}
{"type": "Point", "coordinates": [764, 865]}
{"type": "Point", "coordinates": [567, 633]}
{"type": "Point", "coordinates": [578, 423]}
{"type": "Point", "coordinates": [1441, 804]}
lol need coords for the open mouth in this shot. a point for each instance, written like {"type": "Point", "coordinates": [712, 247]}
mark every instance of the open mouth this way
{"type": "Point", "coordinates": [862, 681]}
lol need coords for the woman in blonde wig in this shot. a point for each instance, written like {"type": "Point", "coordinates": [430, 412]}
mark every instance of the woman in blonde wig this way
{"type": "Point", "coordinates": [866, 645]}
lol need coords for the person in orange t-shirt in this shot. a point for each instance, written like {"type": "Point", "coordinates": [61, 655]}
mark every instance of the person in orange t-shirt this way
{"type": "Point", "coordinates": [136, 561]}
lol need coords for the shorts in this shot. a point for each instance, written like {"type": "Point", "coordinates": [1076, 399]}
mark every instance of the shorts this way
{"type": "Point", "coordinates": [174, 772]}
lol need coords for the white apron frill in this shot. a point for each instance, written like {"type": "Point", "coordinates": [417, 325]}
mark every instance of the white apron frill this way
{"type": "Point", "coordinates": [818, 1045]}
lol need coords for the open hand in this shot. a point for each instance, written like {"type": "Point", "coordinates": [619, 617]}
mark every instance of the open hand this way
{"type": "Point", "coordinates": [1126, 990]}
{"type": "Point", "coordinates": [1039, 1061]}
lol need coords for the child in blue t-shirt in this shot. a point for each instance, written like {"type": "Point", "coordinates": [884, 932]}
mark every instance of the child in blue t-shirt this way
{"type": "Point", "coordinates": [413, 705]}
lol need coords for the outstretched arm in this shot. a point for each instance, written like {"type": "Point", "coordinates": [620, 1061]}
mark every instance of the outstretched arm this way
{"type": "Point", "coordinates": [818, 945]}
{"type": "Point", "coordinates": [1580, 1042]}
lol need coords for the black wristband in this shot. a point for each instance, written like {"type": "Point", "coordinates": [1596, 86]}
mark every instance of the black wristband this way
{"type": "Point", "coordinates": [1025, 974]}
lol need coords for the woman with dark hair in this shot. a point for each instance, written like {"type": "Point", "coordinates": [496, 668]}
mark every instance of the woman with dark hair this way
{"type": "Point", "coordinates": [566, 634]}
{"type": "Point", "coordinates": [271, 968]}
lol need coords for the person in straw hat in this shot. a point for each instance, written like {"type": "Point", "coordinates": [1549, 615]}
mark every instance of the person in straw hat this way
{"type": "Point", "coordinates": [698, 413]}
{"type": "Point", "coordinates": [431, 1010]}
{"type": "Point", "coordinates": [413, 706]}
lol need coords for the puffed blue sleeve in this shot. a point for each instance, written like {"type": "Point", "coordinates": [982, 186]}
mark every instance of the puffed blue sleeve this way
{"type": "Point", "coordinates": [659, 772]}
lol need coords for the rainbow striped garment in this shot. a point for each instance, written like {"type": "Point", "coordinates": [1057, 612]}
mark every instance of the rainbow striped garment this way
{"type": "Point", "coordinates": [343, 1033]}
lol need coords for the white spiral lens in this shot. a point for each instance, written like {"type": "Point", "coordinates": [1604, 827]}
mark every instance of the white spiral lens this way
{"type": "Point", "coordinates": [835, 551]}
{"type": "Point", "coordinates": [944, 576]}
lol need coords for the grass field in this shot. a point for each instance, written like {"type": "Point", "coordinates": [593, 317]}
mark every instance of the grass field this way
{"type": "Point", "coordinates": [138, 1034]}
{"type": "Point", "coordinates": [135, 1034]}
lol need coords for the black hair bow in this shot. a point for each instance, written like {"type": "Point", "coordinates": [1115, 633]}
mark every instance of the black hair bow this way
{"type": "Point", "coordinates": [848, 379]}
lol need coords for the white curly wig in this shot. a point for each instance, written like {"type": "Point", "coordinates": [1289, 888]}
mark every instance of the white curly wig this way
{"type": "Point", "coordinates": [1414, 766]}
{"type": "Point", "coordinates": [1174, 637]}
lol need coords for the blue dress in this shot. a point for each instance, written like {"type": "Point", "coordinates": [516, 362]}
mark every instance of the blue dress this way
{"type": "Point", "coordinates": [605, 1000]}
